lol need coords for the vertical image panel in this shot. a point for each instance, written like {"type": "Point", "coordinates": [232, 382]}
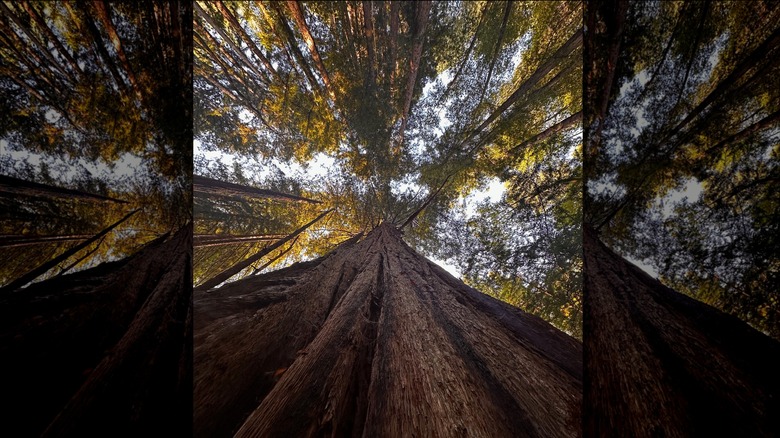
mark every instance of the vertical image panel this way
{"type": "Point", "coordinates": [95, 218]}
{"type": "Point", "coordinates": [682, 315]}
{"type": "Point", "coordinates": [387, 218]}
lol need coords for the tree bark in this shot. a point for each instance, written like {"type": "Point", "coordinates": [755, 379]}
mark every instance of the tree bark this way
{"type": "Point", "coordinates": [662, 364]}
{"type": "Point", "coordinates": [107, 348]}
{"type": "Point", "coordinates": [374, 340]}
{"type": "Point", "coordinates": [240, 266]}
{"type": "Point", "coordinates": [208, 186]}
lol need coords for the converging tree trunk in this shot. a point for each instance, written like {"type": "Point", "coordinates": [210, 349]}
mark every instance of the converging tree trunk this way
{"type": "Point", "coordinates": [209, 186]}
{"type": "Point", "coordinates": [102, 351]}
{"type": "Point", "coordinates": [10, 186]}
{"type": "Point", "coordinates": [662, 364]}
{"type": "Point", "coordinates": [243, 264]}
{"type": "Point", "coordinates": [204, 240]}
{"type": "Point", "coordinates": [46, 266]}
{"type": "Point", "coordinates": [374, 340]}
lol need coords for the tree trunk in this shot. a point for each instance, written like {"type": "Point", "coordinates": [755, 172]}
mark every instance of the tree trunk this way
{"type": "Point", "coordinates": [574, 42]}
{"type": "Point", "coordinates": [501, 32]}
{"type": "Point", "coordinates": [19, 187]}
{"type": "Point", "coordinates": [104, 349]}
{"type": "Point", "coordinates": [44, 267]}
{"type": "Point", "coordinates": [297, 14]}
{"type": "Point", "coordinates": [252, 46]}
{"type": "Point", "coordinates": [240, 266]}
{"type": "Point", "coordinates": [208, 186]}
{"type": "Point", "coordinates": [566, 123]}
{"type": "Point", "coordinates": [11, 240]}
{"type": "Point", "coordinates": [662, 364]}
{"type": "Point", "coordinates": [204, 240]}
{"type": "Point", "coordinates": [374, 340]}
{"type": "Point", "coordinates": [421, 18]}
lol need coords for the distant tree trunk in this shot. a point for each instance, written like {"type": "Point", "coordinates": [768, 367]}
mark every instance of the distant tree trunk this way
{"type": "Point", "coordinates": [574, 42]}
{"type": "Point", "coordinates": [204, 240]}
{"type": "Point", "coordinates": [501, 32]}
{"type": "Point", "coordinates": [103, 349]}
{"type": "Point", "coordinates": [252, 46]}
{"type": "Point", "coordinates": [240, 266]}
{"type": "Point", "coordinates": [421, 23]}
{"type": "Point", "coordinates": [209, 186]}
{"type": "Point", "coordinates": [374, 340]}
{"type": "Point", "coordinates": [11, 241]}
{"type": "Point", "coordinates": [368, 34]}
{"type": "Point", "coordinates": [297, 14]}
{"type": "Point", "coordinates": [44, 267]}
{"type": "Point", "coordinates": [660, 363]}
{"type": "Point", "coordinates": [19, 187]}
{"type": "Point", "coordinates": [566, 123]}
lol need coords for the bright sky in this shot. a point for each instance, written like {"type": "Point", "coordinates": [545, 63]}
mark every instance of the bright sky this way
{"type": "Point", "coordinates": [65, 170]}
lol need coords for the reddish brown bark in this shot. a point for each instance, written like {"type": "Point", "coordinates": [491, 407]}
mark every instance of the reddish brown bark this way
{"type": "Point", "coordinates": [373, 340]}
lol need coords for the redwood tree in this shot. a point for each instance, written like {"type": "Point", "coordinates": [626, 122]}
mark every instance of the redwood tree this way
{"type": "Point", "coordinates": [375, 340]}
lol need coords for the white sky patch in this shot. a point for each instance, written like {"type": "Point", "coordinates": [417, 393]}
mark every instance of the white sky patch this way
{"type": "Point", "coordinates": [452, 269]}
{"type": "Point", "coordinates": [493, 192]}
{"type": "Point", "coordinates": [245, 116]}
{"type": "Point", "coordinates": [128, 165]}
{"type": "Point", "coordinates": [690, 192]}
{"type": "Point", "coordinates": [643, 266]}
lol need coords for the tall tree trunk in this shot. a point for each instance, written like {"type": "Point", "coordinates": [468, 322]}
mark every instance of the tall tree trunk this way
{"type": "Point", "coordinates": [104, 14]}
{"type": "Point", "coordinates": [240, 266]}
{"type": "Point", "coordinates": [208, 186]}
{"type": "Point", "coordinates": [16, 187]}
{"type": "Point", "coordinates": [566, 123]}
{"type": "Point", "coordinates": [43, 268]}
{"type": "Point", "coordinates": [11, 241]}
{"type": "Point", "coordinates": [293, 44]}
{"type": "Point", "coordinates": [104, 349]}
{"type": "Point", "coordinates": [499, 42]}
{"type": "Point", "coordinates": [662, 364]}
{"type": "Point", "coordinates": [374, 340]}
{"type": "Point", "coordinates": [574, 42]}
{"type": "Point", "coordinates": [421, 19]}
{"type": "Point", "coordinates": [368, 35]}
{"type": "Point", "coordinates": [226, 39]}
{"type": "Point", "coordinates": [204, 240]}
{"type": "Point", "coordinates": [252, 46]}
{"type": "Point", "coordinates": [297, 14]}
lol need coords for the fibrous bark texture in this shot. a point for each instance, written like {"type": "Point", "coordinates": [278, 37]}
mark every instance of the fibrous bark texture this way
{"type": "Point", "coordinates": [373, 340]}
{"type": "Point", "coordinates": [102, 352]}
{"type": "Point", "coordinates": [659, 363]}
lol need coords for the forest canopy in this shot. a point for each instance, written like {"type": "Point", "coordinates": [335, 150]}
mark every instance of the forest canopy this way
{"type": "Point", "coordinates": [376, 109]}
{"type": "Point", "coordinates": [95, 131]}
{"type": "Point", "coordinates": [683, 149]}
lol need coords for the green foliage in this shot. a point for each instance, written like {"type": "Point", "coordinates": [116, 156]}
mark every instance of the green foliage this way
{"type": "Point", "coordinates": [95, 97]}
{"type": "Point", "coordinates": [276, 104]}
